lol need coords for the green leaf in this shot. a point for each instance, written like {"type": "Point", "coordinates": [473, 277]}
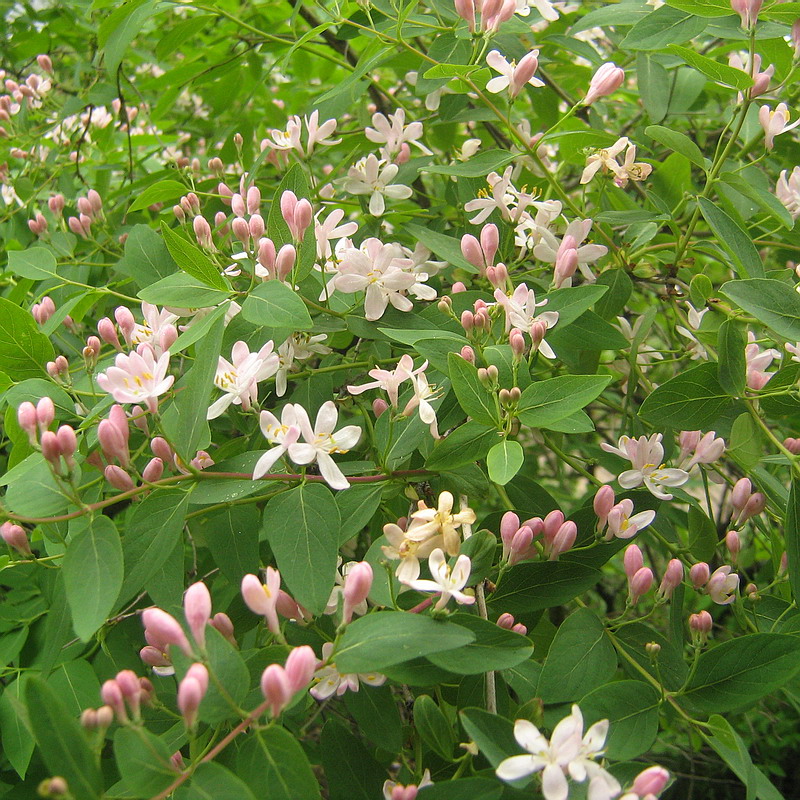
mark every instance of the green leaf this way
{"type": "Point", "coordinates": [36, 263]}
{"type": "Point", "coordinates": [185, 420]}
{"type": "Point", "coordinates": [534, 585]}
{"type": "Point", "coordinates": [504, 461]}
{"type": "Point", "coordinates": [572, 301]}
{"type": "Point", "coordinates": [663, 27]}
{"type": "Point", "coordinates": [146, 259]}
{"type": "Point", "coordinates": [351, 771]}
{"type": "Point", "coordinates": [691, 400]}
{"type": "Point", "coordinates": [150, 536]}
{"type": "Point", "coordinates": [192, 260]}
{"type": "Point", "coordinates": [761, 197]}
{"type": "Point", "coordinates": [182, 291]}
{"type": "Point", "coordinates": [721, 73]}
{"type": "Point", "coordinates": [738, 672]}
{"type": "Point", "coordinates": [632, 709]}
{"type": "Point", "coordinates": [581, 658]}
{"type": "Point", "coordinates": [620, 288]}
{"type": "Point", "coordinates": [357, 506]}
{"type": "Point", "coordinates": [480, 165]}
{"type": "Point", "coordinates": [744, 446]}
{"type": "Point", "coordinates": [702, 535]}
{"type": "Point", "coordinates": [773, 303]}
{"type": "Point", "coordinates": [375, 711]}
{"type": "Point", "coordinates": [32, 490]}
{"type": "Point", "coordinates": [736, 242]}
{"type": "Point", "coordinates": [433, 727]}
{"type": "Point", "coordinates": [232, 537]}
{"type": "Point", "coordinates": [381, 640]}
{"type": "Point", "coordinates": [472, 395]}
{"type": "Point", "coordinates": [473, 788]}
{"type": "Point", "coordinates": [588, 332]}
{"type": "Point", "coordinates": [302, 527]}
{"type": "Point", "coordinates": [792, 532]}
{"type": "Point", "coordinates": [494, 735]}
{"type": "Point", "coordinates": [24, 349]}
{"type": "Point", "coordinates": [446, 247]}
{"type": "Point", "coordinates": [551, 400]}
{"type": "Point", "coordinates": [679, 143]}
{"type": "Point", "coordinates": [120, 28]}
{"type": "Point", "coordinates": [466, 444]}
{"type": "Point", "coordinates": [703, 8]}
{"type": "Point", "coordinates": [93, 572]}
{"type": "Point", "coordinates": [272, 763]}
{"type": "Point", "coordinates": [62, 742]}
{"type": "Point", "coordinates": [494, 648]}
{"type": "Point", "coordinates": [15, 727]}
{"type": "Point", "coordinates": [212, 781]}
{"type": "Point", "coordinates": [731, 343]}
{"type": "Point", "coordinates": [143, 761]}
{"type": "Point", "coordinates": [654, 86]}
{"type": "Point", "coordinates": [159, 192]}
{"type": "Point", "coordinates": [76, 683]}
{"type": "Point", "coordinates": [275, 305]}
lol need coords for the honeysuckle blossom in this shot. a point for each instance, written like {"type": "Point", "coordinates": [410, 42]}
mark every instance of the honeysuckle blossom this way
{"type": "Point", "coordinates": [757, 361]}
{"type": "Point", "coordinates": [775, 123]}
{"type": "Point", "coordinates": [723, 585]}
{"type": "Point", "coordinates": [322, 441]}
{"type": "Point", "coordinates": [446, 581]}
{"type": "Point", "coordinates": [316, 134]}
{"type": "Point", "coordinates": [623, 523]}
{"type": "Point", "coordinates": [376, 269]}
{"type": "Point", "coordinates": [408, 551]}
{"type": "Point", "coordinates": [645, 455]}
{"type": "Point", "coordinates": [440, 521]}
{"type": "Point", "coordinates": [604, 159]}
{"type": "Point", "coordinates": [696, 350]}
{"type": "Point", "coordinates": [760, 79]}
{"type": "Point", "coordinates": [568, 752]}
{"type": "Point", "coordinates": [374, 177]}
{"type": "Point", "coordinates": [787, 190]}
{"type": "Point", "coordinates": [329, 681]}
{"type": "Point", "coordinates": [390, 380]}
{"type": "Point", "coordinates": [393, 133]}
{"type": "Point", "coordinates": [138, 377]}
{"type": "Point", "coordinates": [630, 169]}
{"type": "Point", "coordinates": [239, 378]}
{"type": "Point", "coordinates": [513, 76]}
{"type": "Point", "coordinates": [340, 576]}
{"type": "Point", "coordinates": [546, 9]}
{"type": "Point", "coordinates": [794, 349]}
{"type": "Point", "coordinates": [550, 247]}
{"type": "Point", "coordinates": [699, 448]}
{"type": "Point", "coordinates": [282, 433]}
{"type": "Point", "coordinates": [331, 230]}
{"type": "Point", "coordinates": [520, 310]}
{"type": "Point", "coordinates": [298, 347]}
{"type": "Point", "coordinates": [423, 394]}
{"type": "Point", "coordinates": [390, 786]}
{"type": "Point", "coordinates": [498, 198]}
{"type": "Point", "coordinates": [156, 323]}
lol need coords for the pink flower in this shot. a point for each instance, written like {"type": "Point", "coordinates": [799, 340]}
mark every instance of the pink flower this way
{"type": "Point", "coordinates": [239, 378]}
{"type": "Point", "coordinates": [390, 380]}
{"type": "Point", "coordinates": [520, 310]}
{"type": "Point", "coordinates": [722, 585]}
{"type": "Point", "coordinates": [775, 123]}
{"type": "Point", "coordinates": [138, 377]}
{"type": "Point", "coordinates": [605, 81]}
{"type": "Point", "coordinates": [513, 76]}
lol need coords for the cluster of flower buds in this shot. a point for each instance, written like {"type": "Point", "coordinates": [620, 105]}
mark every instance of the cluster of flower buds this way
{"type": "Point", "coordinates": [558, 534]}
{"type": "Point", "coordinates": [721, 585]}
{"type": "Point", "coordinates": [56, 204]}
{"type": "Point", "coordinates": [481, 252]}
{"type": "Point", "coordinates": [673, 577]}
{"type": "Point", "coordinates": [746, 503]}
{"type": "Point", "coordinates": [509, 398]}
{"type": "Point", "coordinates": [507, 622]}
{"type": "Point", "coordinates": [15, 537]}
{"type": "Point", "coordinates": [58, 370]}
{"type": "Point", "coordinates": [38, 225]}
{"type": "Point", "coordinates": [640, 577]}
{"type": "Point", "coordinates": [98, 719]}
{"type": "Point", "coordinates": [89, 208]}
{"type": "Point", "coordinates": [699, 448]}
{"type": "Point", "coordinates": [276, 266]}
{"type": "Point", "coordinates": [125, 695]}
{"type": "Point", "coordinates": [59, 445]}
{"type": "Point", "coordinates": [792, 445]}
{"type": "Point", "coordinates": [476, 322]}
{"type": "Point", "coordinates": [605, 81]}
{"type": "Point", "coordinates": [518, 537]}
{"type": "Point", "coordinates": [188, 206]}
{"type": "Point", "coordinates": [493, 13]}
{"type": "Point", "coordinates": [55, 787]}
{"type": "Point", "coordinates": [700, 625]}
{"type": "Point", "coordinates": [618, 519]}
{"type": "Point", "coordinates": [748, 11]}
{"type": "Point", "coordinates": [489, 376]}
{"type": "Point", "coordinates": [43, 310]}
{"type": "Point", "coordinates": [280, 684]}
{"type": "Point", "coordinates": [162, 631]}
{"type": "Point", "coordinates": [36, 419]}
{"type": "Point", "coordinates": [296, 213]}
{"type": "Point", "coordinates": [191, 691]}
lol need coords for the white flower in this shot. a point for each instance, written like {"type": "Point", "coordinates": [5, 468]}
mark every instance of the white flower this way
{"type": "Point", "coordinates": [447, 582]}
{"type": "Point", "coordinates": [239, 378]}
{"type": "Point", "coordinates": [423, 394]}
{"type": "Point", "coordinates": [316, 134]}
{"type": "Point", "coordinates": [565, 754]}
{"type": "Point", "coordinates": [321, 442]}
{"type": "Point", "coordinates": [440, 521]}
{"type": "Point", "coordinates": [376, 269]}
{"type": "Point", "coordinates": [513, 76]}
{"type": "Point", "coordinates": [520, 310]}
{"type": "Point", "coordinates": [645, 456]}
{"type": "Point", "coordinates": [298, 347]}
{"type": "Point", "coordinates": [138, 377]}
{"type": "Point", "coordinates": [408, 551]}
{"type": "Point", "coordinates": [393, 133]}
{"type": "Point", "coordinates": [331, 231]}
{"type": "Point", "coordinates": [722, 586]}
{"type": "Point", "coordinates": [330, 681]}
{"type": "Point", "coordinates": [374, 177]}
{"type": "Point", "coordinates": [775, 123]}
{"type": "Point", "coordinates": [149, 332]}
{"type": "Point", "coordinates": [390, 380]}
{"type": "Point", "coordinates": [282, 433]}
{"type": "Point", "coordinates": [546, 9]}
{"type": "Point", "coordinates": [788, 191]}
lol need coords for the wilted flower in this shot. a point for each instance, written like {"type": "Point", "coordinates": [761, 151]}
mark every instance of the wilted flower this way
{"type": "Point", "coordinates": [329, 681]}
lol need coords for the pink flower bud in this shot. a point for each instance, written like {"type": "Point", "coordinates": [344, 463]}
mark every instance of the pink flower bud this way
{"type": "Point", "coordinates": [466, 10]}
{"type": "Point", "coordinates": [167, 336]}
{"type": "Point", "coordinates": [552, 523]}
{"type": "Point", "coordinates": [288, 203]}
{"type": "Point", "coordinates": [256, 226]}
{"type": "Point", "coordinates": [51, 449]}
{"type": "Point", "coordinates": [222, 622]}
{"type": "Point", "coordinates": [128, 683]}
{"type": "Point", "coordinates": [564, 539]}
{"type": "Point", "coordinates": [467, 320]}
{"type": "Point", "coordinates": [56, 204]}
{"type": "Point", "coordinates": [241, 230]}
{"type": "Point", "coordinates": [287, 607]}
{"type": "Point", "coordinates": [139, 419]}
{"type": "Point", "coordinates": [356, 589]}
{"type": "Point", "coordinates": [490, 241]}
{"type": "Point", "coordinates": [164, 630]}
{"type": "Point", "coordinates": [118, 478]}
{"type": "Point", "coordinates": [673, 576]}
{"type": "Point", "coordinates": [741, 492]}
{"type": "Point", "coordinates": [95, 201]}
{"type": "Point", "coordinates": [754, 506]}
{"type": "Point", "coordinates": [84, 206]}
{"type": "Point", "coordinates": [284, 261]}
{"type": "Point", "coordinates": [509, 525]}
{"type": "Point", "coordinates": [276, 688]}
{"type": "Point", "coordinates": [161, 448]}
{"type": "Point", "coordinates": [748, 11]}
{"type": "Point", "coordinates": [112, 696]}
{"type": "Point", "coordinates": [190, 695]}
{"type": "Point", "coordinates": [650, 781]}
{"type": "Point", "coordinates": [640, 584]}
{"type": "Point", "coordinates": [153, 657]}
{"type": "Point", "coordinates": [603, 503]}
{"type": "Point", "coordinates": [108, 333]}
{"type": "Point", "coordinates": [471, 250]}
{"type": "Point", "coordinates": [28, 419]}
{"type": "Point", "coordinates": [699, 574]}
{"type": "Point", "coordinates": [458, 287]}
{"type": "Point", "coordinates": [303, 214]}
{"type": "Point", "coordinates": [266, 255]}
{"type": "Point", "coordinates": [112, 442]}
{"type": "Point", "coordinates": [506, 621]}
{"type": "Point", "coordinates": [262, 598]}
{"type": "Point", "coordinates": [605, 81]}
{"type": "Point", "coordinates": [633, 560]}
{"type": "Point", "coordinates": [238, 205]}
{"type": "Point", "coordinates": [126, 322]}
{"type": "Point", "coordinates": [44, 62]}
{"type": "Point", "coordinates": [179, 213]}
{"type": "Point", "coordinates": [701, 623]}
{"type": "Point", "coordinates": [525, 70]}
{"type": "Point", "coordinates": [253, 200]}
{"type": "Point", "coordinates": [153, 471]}
{"type": "Point", "coordinates": [15, 536]}
{"type": "Point", "coordinates": [792, 445]}
{"type": "Point", "coordinates": [226, 194]}
{"type": "Point", "coordinates": [197, 609]}
{"type": "Point", "coordinates": [67, 441]}
{"type": "Point", "coordinates": [379, 405]}
{"type": "Point", "coordinates": [734, 544]}
{"type": "Point", "coordinates": [520, 629]}
{"type": "Point", "coordinates": [521, 547]}
{"type": "Point", "coordinates": [300, 666]}
{"type": "Point", "coordinates": [202, 231]}
{"type": "Point", "coordinates": [538, 331]}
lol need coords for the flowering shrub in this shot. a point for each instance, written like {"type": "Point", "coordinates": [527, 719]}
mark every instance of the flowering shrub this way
{"type": "Point", "coordinates": [400, 399]}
